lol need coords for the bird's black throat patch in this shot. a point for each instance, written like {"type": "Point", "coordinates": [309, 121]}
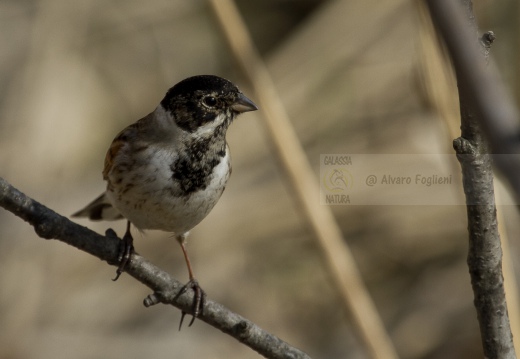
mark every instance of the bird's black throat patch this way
{"type": "Point", "coordinates": [193, 169]}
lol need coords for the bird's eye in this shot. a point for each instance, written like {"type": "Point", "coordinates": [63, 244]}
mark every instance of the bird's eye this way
{"type": "Point", "coordinates": [209, 101]}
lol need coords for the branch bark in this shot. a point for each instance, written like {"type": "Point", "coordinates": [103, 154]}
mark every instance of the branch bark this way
{"type": "Point", "coordinates": [484, 253]}
{"type": "Point", "coordinates": [488, 97]}
{"type": "Point", "coordinates": [50, 225]}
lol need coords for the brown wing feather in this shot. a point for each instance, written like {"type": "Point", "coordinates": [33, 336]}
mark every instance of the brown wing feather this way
{"type": "Point", "coordinates": [101, 208]}
{"type": "Point", "coordinates": [116, 145]}
{"type": "Point", "coordinates": [119, 141]}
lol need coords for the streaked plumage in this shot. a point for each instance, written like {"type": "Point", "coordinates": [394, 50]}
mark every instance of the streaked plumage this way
{"type": "Point", "coordinates": [168, 170]}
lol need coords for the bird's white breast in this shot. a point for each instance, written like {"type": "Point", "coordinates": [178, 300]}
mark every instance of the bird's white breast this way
{"type": "Point", "coordinates": [155, 201]}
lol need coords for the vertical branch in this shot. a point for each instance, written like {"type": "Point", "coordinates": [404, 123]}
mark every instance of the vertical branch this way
{"type": "Point", "coordinates": [497, 113]}
{"type": "Point", "coordinates": [441, 91]}
{"type": "Point", "coordinates": [484, 253]}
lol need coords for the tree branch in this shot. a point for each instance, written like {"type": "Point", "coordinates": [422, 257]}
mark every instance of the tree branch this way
{"type": "Point", "coordinates": [484, 253]}
{"type": "Point", "coordinates": [496, 111]}
{"type": "Point", "coordinates": [50, 225]}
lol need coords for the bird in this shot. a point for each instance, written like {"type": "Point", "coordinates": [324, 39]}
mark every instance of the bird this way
{"type": "Point", "coordinates": [169, 169]}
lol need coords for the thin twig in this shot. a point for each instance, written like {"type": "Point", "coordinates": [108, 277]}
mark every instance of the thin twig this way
{"type": "Point", "coordinates": [484, 253]}
{"type": "Point", "coordinates": [496, 111]}
{"type": "Point", "coordinates": [339, 259]}
{"type": "Point", "coordinates": [442, 92]}
{"type": "Point", "coordinates": [50, 225]}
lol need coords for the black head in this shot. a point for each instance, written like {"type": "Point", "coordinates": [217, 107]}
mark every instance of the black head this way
{"type": "Point", "coordinates": [198, 100]}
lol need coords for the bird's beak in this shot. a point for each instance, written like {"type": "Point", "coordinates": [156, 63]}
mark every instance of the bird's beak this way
{"type": "Point", "coordinates": [243, 104]}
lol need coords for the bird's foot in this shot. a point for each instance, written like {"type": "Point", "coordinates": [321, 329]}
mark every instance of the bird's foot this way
{"type": "Point", "coordinates": [199, 299]}
{"type": "Point", "coordinates": [126, 248]}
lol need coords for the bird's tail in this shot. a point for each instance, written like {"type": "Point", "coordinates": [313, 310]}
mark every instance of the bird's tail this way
{"type": "Point", "coordinates": [99, 209]}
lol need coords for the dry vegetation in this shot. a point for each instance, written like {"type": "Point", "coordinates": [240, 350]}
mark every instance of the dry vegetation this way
{"type": "Point", "coordinates": [355, 76]}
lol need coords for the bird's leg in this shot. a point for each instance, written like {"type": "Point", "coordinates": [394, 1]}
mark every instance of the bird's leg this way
{"type": "Point", "coordinates": [125, 251]}
{"type": "Point", "coordinates": [200, 295]}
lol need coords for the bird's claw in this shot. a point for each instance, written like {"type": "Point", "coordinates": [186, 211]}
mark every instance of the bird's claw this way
{"type": "Point", "coordinates": [199, 300]}
{"type": "Point", "coordinates": [126, 249]}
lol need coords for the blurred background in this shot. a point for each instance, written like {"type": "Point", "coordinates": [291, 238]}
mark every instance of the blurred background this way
{"type": "Point", "coordinates": [356, 78]}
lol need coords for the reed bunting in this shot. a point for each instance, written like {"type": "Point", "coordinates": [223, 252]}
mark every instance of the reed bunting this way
{"type": "Point", "coordinates": [168, 170]}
